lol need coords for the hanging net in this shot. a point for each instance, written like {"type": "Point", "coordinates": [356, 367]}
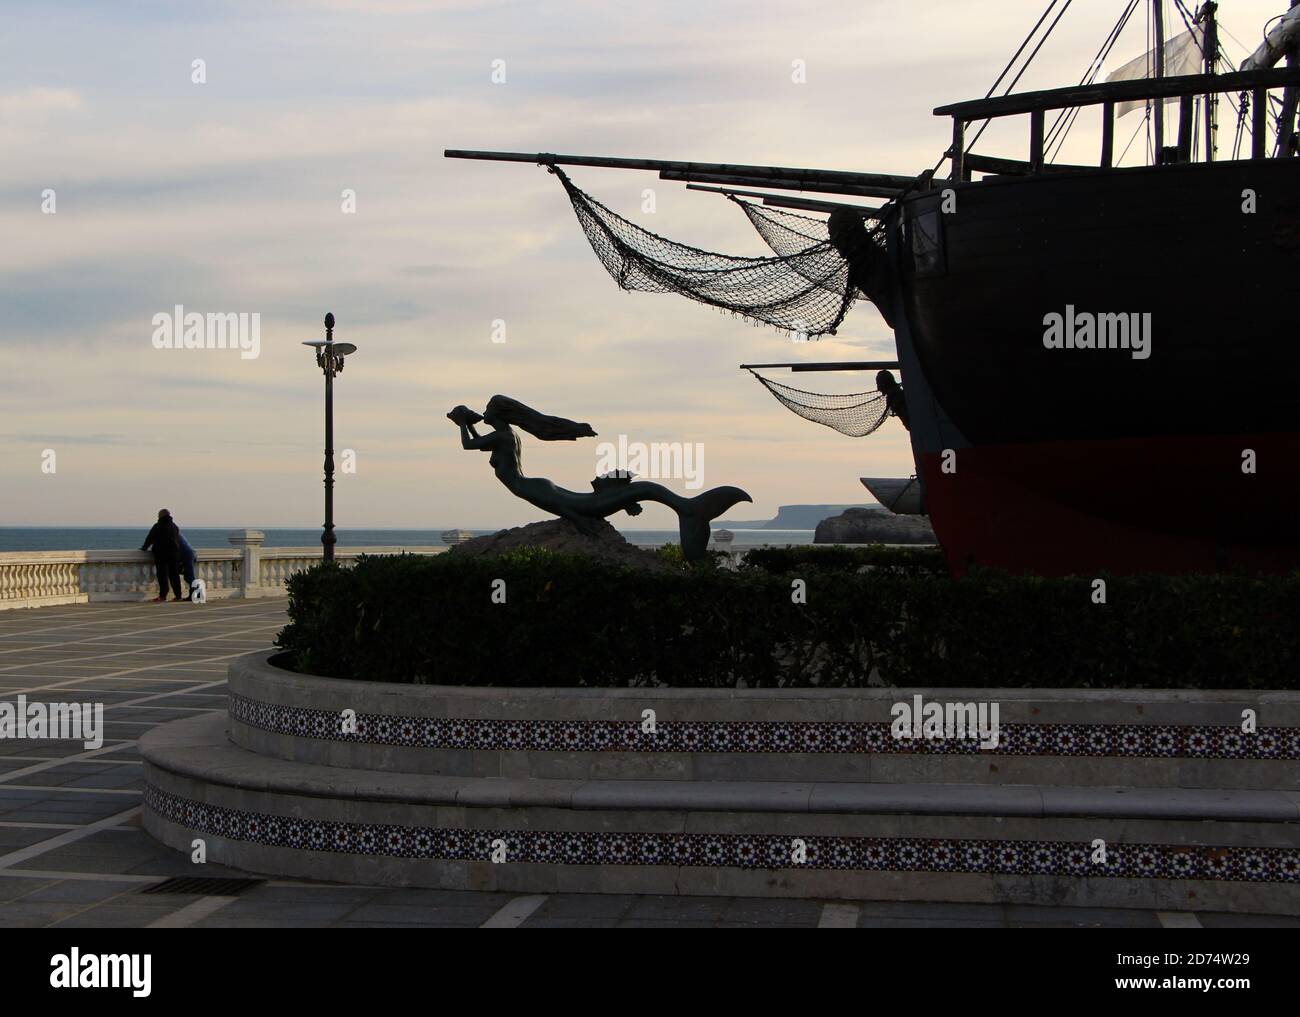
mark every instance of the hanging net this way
{"type": "Point", "coordinates": [856, 414]}
{"type": "Point", "coordinates": [787, 233]}
{"type": "Point", "coordinates": [803, 289]}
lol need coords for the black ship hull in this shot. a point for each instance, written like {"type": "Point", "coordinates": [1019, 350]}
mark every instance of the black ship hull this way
{"type": "Point", "coordinates": [1180, 456]}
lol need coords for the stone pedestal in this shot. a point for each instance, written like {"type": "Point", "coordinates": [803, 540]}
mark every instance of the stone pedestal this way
{"type": "Point", "coordinates": [249, 542]}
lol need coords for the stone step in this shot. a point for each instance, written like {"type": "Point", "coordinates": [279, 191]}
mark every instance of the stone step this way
{"type": "Point", "coordinates": [172, 744]}
{"type": "Point", "coordinates": [1167, 848]}
{"type": "Point", "coordinates": [1075, 737]}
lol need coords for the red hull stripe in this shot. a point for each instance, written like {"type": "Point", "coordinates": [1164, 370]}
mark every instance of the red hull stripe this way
{"type": "Point", "coordinates": [1180, 504]}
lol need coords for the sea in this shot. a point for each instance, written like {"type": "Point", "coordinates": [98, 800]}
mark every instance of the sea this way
{"type": "Point", "coordinates": [108, 538]}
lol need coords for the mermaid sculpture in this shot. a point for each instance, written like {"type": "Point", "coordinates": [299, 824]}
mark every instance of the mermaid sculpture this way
{"type": "Point", "coordinates": [610, 494]}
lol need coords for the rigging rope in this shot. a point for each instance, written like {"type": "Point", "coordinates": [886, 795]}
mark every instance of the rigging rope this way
{"type": "Point", "coordinates": [1051, 28]}
{"type": "Point", "coordinates": [1065, 119]}
{"type": "Point", "coordinates": [855, 414]}
{"type": "Point", "coordinates": [1016, 56]}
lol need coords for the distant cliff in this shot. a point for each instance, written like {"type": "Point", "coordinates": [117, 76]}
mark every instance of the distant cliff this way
{"type": "Point", "coordinates": [795, 517]}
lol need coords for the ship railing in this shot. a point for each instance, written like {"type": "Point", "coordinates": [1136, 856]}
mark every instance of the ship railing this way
{"type": "Point", "coordinates": [1185, 88]}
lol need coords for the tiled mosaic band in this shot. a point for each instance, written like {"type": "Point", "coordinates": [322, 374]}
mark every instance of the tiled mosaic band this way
{"type": "Point", "coordinates": [744, 851]}
{"type": "Point", "coordinates": [1193, 741]}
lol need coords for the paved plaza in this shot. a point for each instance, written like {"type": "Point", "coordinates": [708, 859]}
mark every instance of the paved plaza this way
{"type": "Point", "coordinates": [73, 852]}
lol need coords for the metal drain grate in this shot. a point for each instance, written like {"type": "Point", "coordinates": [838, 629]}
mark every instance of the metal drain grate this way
{"type": "Point", "coordinates": [204, 886]}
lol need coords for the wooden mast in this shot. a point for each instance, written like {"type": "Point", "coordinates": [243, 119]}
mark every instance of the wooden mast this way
{"type": "Point", "coordinates": [1210, 35]}
{"type": "Point", "coordinates": [1286, 121]}
{"type": "Point", "coordinates": [1158, 108]}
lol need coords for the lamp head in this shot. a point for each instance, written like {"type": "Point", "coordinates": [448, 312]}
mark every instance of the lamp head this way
{"type": "Point", "coordinates": [338, 349]}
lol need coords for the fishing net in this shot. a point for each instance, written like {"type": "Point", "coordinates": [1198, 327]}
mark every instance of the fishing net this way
{"type": "Point", "coordinates": [787, 233]}
{"type": "Point", "coordinates": [803, 289]}
{"type": "Point", "coordinates": [856, 414]}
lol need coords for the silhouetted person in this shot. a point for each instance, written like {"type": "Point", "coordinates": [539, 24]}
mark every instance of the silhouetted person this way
{"type": "Point", "coordinates": [164, 540]}
{"type": "Point", "coordinates": [868, 262]}
{"type": "Point", "coordinates": [188, 562]}
{"type": "Point", "coordinates": [894, 398]}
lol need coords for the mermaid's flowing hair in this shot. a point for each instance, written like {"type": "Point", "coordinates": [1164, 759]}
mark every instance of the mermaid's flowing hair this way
{"type": "Point", "coordinates": [539, 425]}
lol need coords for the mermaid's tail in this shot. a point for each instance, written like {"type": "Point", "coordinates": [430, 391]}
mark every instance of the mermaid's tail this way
{"type": "Point", "coordinates": [695, 515]}
{"type": "Point", "coordinates": [613, 494]}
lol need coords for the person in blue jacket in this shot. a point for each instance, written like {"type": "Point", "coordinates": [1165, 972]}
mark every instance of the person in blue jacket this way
{"type": "Point", "coordinates": [187, 563]}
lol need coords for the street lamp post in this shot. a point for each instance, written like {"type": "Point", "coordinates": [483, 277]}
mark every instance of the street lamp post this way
{"type": "Point", "coordinates": [329, 358]}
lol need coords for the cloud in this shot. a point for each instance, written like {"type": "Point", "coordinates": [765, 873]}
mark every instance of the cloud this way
{"type": "Point", "coordinates": [36, 105]}
{"type": "Point", "coordinates": [227, 196]}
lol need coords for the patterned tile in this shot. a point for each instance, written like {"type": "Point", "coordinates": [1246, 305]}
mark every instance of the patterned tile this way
{"type": "Point", "coordinates": [1189, 741]}
{"type": "Point", "coordinates": [742, 851]}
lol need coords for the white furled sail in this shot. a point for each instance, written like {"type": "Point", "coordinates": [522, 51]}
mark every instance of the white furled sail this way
{"type": "Point", "coordinates": [1276, 43]}
{"type": "Point", "coordinates": [1184, 54]}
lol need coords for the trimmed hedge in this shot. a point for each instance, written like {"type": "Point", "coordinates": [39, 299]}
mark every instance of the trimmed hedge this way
{"type": "Point", "coordinates": [837, 556]}
{"type": "Point", "coordinates": [570, 622]}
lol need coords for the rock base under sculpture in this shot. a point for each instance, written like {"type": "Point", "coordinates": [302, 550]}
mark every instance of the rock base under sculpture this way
{"type": "Point", "coordinates": [863, 526]}
{"type": "Point", "coordinates": [599, 541]}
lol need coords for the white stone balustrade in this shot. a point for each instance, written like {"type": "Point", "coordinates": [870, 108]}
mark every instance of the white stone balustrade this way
{"type": "Point", "coordinates": [247, 569]}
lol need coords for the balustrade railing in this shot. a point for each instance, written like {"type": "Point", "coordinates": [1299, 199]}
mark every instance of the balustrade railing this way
{"type": "Point", "coordinates": [247, 569]}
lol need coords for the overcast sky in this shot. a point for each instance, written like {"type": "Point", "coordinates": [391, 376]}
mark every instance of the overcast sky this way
{"type": "Point", "coordinates": [227, 196]}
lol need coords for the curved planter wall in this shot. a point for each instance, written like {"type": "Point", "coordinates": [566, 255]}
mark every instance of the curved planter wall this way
{"type": "Point", "coordinates": [1070, 736]}
{"type": "Point", "coordinates": [765, 793]}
